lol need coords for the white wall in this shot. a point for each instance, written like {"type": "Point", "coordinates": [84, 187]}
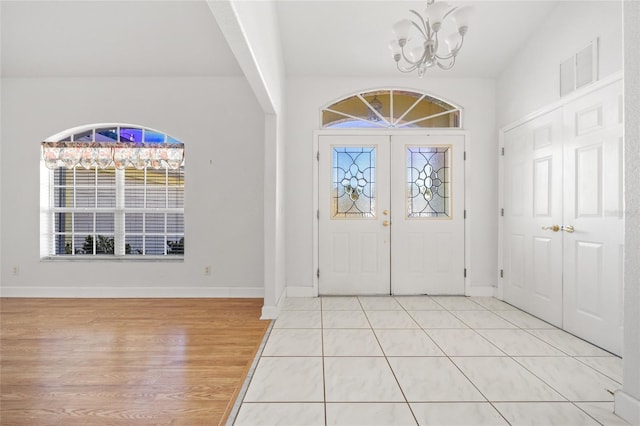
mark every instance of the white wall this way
{"type": "Point", "coordinates": [628, 400]}
{"type": "Point", "coordinates": [222, 126]}
{"type": "Point", "coordinates": [252, 32]}
{"type": "Point", "coordinates": [305, 98]}
{"type": "Point", "coordinates": [531, 80]}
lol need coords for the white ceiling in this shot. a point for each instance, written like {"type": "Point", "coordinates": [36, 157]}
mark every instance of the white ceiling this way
{"type": "Point", "coordinates": [181, 38]}
{"type": "Point", "coordinates": [351, 37]}
{"type": "Point", "coordinates": [112, 38]}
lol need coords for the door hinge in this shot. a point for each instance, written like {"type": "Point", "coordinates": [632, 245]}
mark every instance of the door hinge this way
{"type": "Point", "coordinates": [318, 156]}
{"type": "Point", "coordinates": [465, 272]}
{"type": "Point", "coordinates": [318, 214]}
{"type": "Point", "coordinates": [318, 273]}
{"type": "Point", "coordinates": [502, 212]}
{"type": "Point", "coordinates": [464, 156]}
{"type": "Point", "coordinates": [465, 214]}
{"type": "Point", "coordinates": [501, 273]}
{"type": "Point", "coordinates": [502, 151]}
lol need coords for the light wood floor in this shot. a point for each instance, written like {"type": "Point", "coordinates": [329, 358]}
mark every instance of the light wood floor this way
{"type": "Point", "coordinates": [124, 361]}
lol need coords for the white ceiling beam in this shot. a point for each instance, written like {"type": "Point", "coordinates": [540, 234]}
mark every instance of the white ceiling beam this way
{"type": "Point", "coordinates": [252, 33]}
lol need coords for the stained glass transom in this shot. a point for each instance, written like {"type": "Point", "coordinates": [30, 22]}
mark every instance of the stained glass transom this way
{"type": "Point", "coordinates": [354, 183]}
{"type": "Point", "coordinates": [429, 182]}
{"type": "Point", "coordinates": [390, 108]}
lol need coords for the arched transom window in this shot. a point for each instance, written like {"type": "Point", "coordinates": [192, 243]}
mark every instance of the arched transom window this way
{"type": "Point", "coordinates": [112, 190]}
{"type": "Point", "coordinates": [390, 108]}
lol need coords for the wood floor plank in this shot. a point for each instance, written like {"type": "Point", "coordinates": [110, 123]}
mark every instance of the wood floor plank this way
{"type": "Point", "coordinates": [124, 361]}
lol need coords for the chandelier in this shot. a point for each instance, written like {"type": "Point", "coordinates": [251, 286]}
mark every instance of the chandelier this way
{"type": "Point", "coordinates": [423, 51]}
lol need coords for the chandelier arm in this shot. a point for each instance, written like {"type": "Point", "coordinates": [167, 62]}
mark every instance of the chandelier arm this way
{"type": "Point", "coordinates": [449, 13]}
{"type": "Point", "coordinates": [424, 30]}
{"type": "Point", "coordinates": [406, 70]}
{"type": "Point", "coordinates": [449, 66]}
{"type": "Point", "coordinates": [453, 53]}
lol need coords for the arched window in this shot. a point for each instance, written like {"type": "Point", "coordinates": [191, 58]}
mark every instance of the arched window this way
{"type": "Point", "coordinates": [390, 108]}
{"type": "Point", "coordinates": [112, 190]}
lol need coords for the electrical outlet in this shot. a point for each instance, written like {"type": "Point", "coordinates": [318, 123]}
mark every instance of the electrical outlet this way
{"type": "Point", "coordinates": [207, 270]}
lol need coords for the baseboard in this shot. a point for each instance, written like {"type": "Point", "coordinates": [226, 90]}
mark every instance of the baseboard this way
{"type": "Point", "coordinates": [132, 292]}
{"type": "Point", "coordinates": [270, 312]}
{"type": "Point", "coordinates": [627, 407]}
{"type": "Point", "coordinates": [300, 291]}
{"type": "Point", "coordinates": [481, 291]}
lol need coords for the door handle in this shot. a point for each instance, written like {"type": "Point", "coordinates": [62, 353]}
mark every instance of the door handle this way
{"type": "Point", "coordinates": [385, 223]}
{"type": "Point", "coordinates": [554, 228]}
{"type": "Point", "coordinates": [568, 229]}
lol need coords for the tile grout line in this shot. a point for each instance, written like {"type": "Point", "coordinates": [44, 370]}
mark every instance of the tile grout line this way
{"type": "Point", "coordinates": [471, 381]}
{"type": "Point", "coordinates": [324, 381]}
{"type": "Point", "coordinates": [386, 358]}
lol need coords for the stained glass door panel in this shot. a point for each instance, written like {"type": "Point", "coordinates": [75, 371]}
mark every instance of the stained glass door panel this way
{"type": "Point", "coordinates": [428, 182]}
{"type": "Point", "coordinates": [354, 182]}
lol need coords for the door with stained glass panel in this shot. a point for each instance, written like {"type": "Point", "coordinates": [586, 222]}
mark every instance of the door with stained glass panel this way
{"type": "Point", "coordinates": [354, 209]}
{"type": "Point", "coordinates": [391, 221]}
{"type": "Point", "coordinates": [427, 205]}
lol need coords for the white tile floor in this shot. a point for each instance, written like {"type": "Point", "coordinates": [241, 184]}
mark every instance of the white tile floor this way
{"type": "Point", "coordinates": [427, 361]}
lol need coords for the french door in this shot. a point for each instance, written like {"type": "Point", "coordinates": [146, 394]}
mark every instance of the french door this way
{"type": "Point", "coordinates": [563, 230]}
{"type": "Point", "coordinates": [391, 214]}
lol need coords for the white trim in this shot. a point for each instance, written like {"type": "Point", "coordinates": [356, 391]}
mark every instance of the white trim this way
{"type": "Point", "coordinates": [394, 88]}
{"type": "Point", "coordinates": [627, 407]}
{"type": "Point", "coordinates": [561, 103]}
{"type": "Point", "coordinates": [392, 132]}
{"type": "Point", "coordinates": [83, 128]}
{"type": "Point", "coordinates": [499, 294]}
{"type": "Point", "coordinates": [583, 91]}
{"type": "Point", "coordinates": [300, 291]}
{"type": "Point", "coordinates": [271, 311]}
{"type": "Point", "coordinates": [133, 292]}
{"type": "Point", "coordinates": [481, 291]}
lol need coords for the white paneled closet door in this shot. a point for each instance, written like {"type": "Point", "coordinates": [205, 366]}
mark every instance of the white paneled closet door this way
{"type": "Point", "coordinates": [563, 228]}
{"type": "Point", "coordinates": [593, 207]}
{"type": "Point", "coordinates": [532, 217]}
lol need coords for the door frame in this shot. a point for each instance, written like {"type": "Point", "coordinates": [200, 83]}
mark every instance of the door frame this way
{"type": "Point", "coordinates": [390, 133]}
{"type": "Point", "coordinates": [613, 78]}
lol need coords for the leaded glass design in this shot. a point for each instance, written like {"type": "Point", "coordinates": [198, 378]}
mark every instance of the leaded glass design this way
{"type": "Point", "coordinates": [429, 182]}
{"type": "Point", "coordinates": [354, 183]}
{"type": "Point", "coordinates": [390, 108]}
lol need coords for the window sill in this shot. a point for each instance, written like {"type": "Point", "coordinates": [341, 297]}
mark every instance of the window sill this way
{"type": "Point", "coordinates": [117, 259]}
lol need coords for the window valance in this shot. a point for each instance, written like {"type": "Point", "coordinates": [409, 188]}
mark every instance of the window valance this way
{"type": "Point", "coordinates": [120, 154]}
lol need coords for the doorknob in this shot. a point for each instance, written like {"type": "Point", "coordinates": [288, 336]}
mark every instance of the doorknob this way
{"type": "Point", "coordinates": [385, 223]}
{"type": "Point", "coordinates": [554, 228]}
{"type": "Point", "coordinates": [568, 229]}
{"type": "Point", "coordinates": [385, 212]}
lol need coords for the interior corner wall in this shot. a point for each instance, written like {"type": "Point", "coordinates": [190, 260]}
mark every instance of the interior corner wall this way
{"type": "Point", "coordinates": [252, 32]}
{"type": "Point", "coordinates": [222, 126]}
{"type": "Point", "coordinates": [627, 401]}
{"type": "Point", "coordinates": [305, 98]}
{"type": "Point", "coordinates": [531, 80]}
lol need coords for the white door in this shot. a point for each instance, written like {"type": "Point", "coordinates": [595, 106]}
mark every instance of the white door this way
{"type": "Point", "coordinates": [532, 239]}
{"type": "Point", "coordinates": [563, 173]}
{"type": "Point", "coordinates": [355, 243]}
{"type": "Point", "coordinates": [391, 220]}
{"type": "Point", "coordinates": [427, 202]}
{"type": "Point", "coordinates": [593, 206]}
